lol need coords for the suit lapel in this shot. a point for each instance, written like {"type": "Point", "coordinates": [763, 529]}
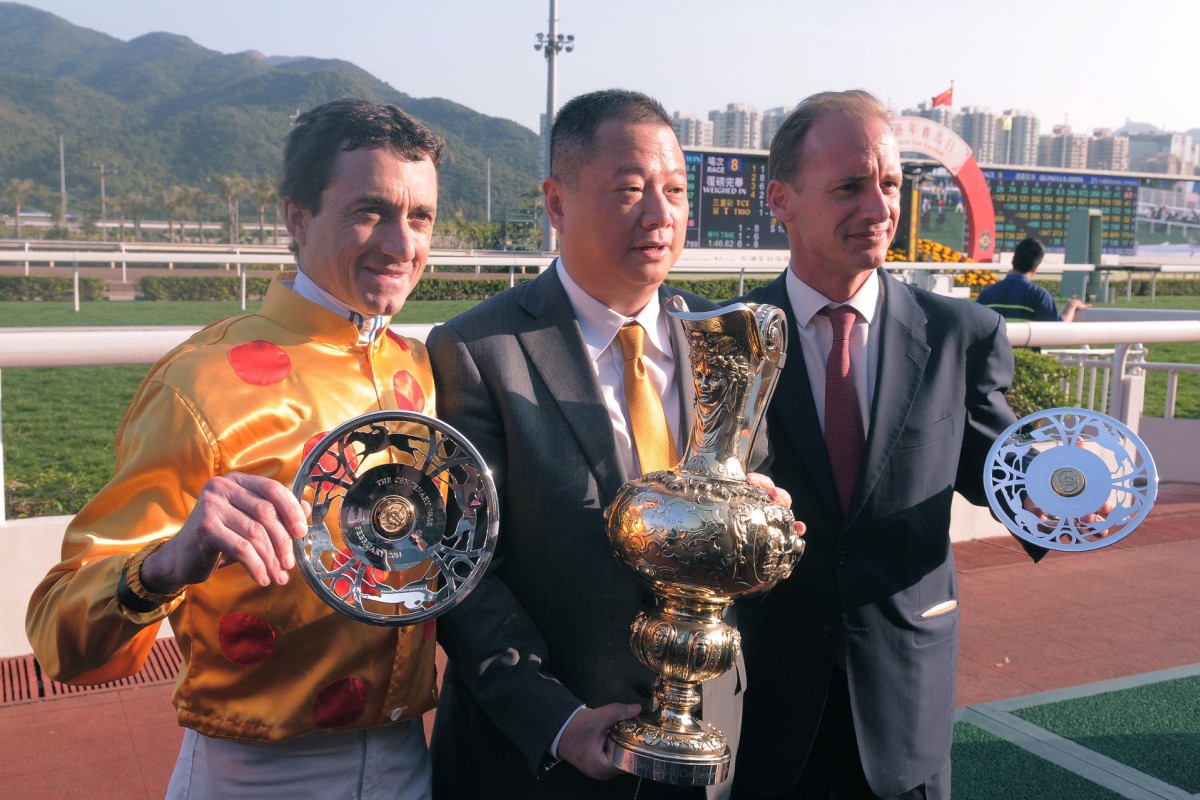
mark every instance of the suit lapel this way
{"type": "Point", "coordinates": [794, 407]}
{"type": "Point", "coordinates": [903, 353]}
{"type": "Point", "coordinates": [555, 347]}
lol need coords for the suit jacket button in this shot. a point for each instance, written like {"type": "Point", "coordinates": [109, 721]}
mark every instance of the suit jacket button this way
{"type": "Point", "coordinates": [827, 631]}
{"type": "Point", "coordinates": [842, 557]}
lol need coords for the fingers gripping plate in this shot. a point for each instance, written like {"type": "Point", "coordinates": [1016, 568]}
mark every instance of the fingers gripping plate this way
{"type": "Point", "coordinates": [403, 518]}
{"type": "Point", "coordinates": [1070, 479]}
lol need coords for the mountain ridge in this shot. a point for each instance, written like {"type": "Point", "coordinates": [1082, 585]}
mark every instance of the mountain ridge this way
{"type": "Point", "coordinates": [166, 111]}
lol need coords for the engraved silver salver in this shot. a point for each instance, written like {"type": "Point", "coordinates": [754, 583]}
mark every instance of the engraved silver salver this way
{"type": "Point", "coordinates": [404, 518]}
{"type": "Point", "coordinates": [1090, 477]}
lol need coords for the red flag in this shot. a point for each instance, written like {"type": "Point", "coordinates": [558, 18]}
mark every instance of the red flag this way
{"type": "Point", "coordinates": [946, 98]}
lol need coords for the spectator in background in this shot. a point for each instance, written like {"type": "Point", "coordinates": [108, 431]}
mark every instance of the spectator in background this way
{"type": "Point", "coordinates": [1018, 297]}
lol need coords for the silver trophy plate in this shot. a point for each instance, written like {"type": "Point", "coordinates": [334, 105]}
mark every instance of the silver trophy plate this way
{"type": "Point", "coordinates": [1092, 478]}
{"type": "Point", "coordinates": [404, 518]}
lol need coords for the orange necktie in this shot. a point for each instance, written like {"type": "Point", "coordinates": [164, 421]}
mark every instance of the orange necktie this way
{"type": "Point", "coordinates": [651, 435]}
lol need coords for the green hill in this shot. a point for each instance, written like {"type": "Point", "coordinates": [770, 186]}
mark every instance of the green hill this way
{"type": "Point", "coordinates": [167, 111]}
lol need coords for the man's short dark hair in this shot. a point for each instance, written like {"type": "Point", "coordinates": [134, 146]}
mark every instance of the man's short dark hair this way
{"type": "Point", "coordinates": [787, 148]}
{"type": "Point", "coordinates": [321, 134]}
{"type": "Point", "coordinates": [1027, 256]}
{"type": "Point", "coordinates": [575, 125]}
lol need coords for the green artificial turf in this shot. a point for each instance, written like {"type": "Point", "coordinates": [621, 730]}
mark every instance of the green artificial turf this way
{"type": "Point", "coordinates": [1154, 728]}
{"type": "Point", "coordinates": [986, 767]}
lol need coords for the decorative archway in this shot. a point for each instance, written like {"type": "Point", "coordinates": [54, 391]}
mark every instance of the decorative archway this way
{"type": "Point", "coordinates": [928, 138]}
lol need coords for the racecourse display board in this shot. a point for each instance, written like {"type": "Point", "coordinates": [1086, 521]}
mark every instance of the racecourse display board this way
{"type": "Point", "coordinates": [727, 198]}
{"type": "Point", "coordinates": [1038, 204]}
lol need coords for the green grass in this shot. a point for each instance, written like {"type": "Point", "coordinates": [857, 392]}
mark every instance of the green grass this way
{"type": "Point", "coordinates": [1187, 398]}
{"type": "Point", "coordinates": [1154, 728]}
{"type": "Point", "coordinates": [1156, 233]}
{"type": "Point", "coordinates": [951, 231]}
{"type": "Point", "coordinates": [59, 423]}
{"type": "Point", "coordinates": [986, 767]}
{"type": "Point", "coordinates": [58, 434]}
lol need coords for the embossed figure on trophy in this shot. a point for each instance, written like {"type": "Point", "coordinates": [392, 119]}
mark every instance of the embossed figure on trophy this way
{"type": "Point", "coordinates": [700, 535]}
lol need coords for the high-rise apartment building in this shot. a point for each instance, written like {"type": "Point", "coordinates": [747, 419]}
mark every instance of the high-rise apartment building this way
{"type": "Point", "coordinates": [739, 125]}
{"type": "Point", "coordinates": [692, 130]}
{"type": "Point", "coordinates": [1170, 153]}
{"type": "Point", "coordinates": [772, 118]}
{"type": "Point", "coordinates": [1108, 151]}
{"type": "Point", "coordinates": [1016, 138]}
{"type": "Point", "coordinates": [977, 127]}
{"type": "Point", "coordinates": [1063, 149]}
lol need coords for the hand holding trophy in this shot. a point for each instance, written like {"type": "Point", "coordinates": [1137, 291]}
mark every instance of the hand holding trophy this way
{"type": "Point", "coordinates": [700, 535]}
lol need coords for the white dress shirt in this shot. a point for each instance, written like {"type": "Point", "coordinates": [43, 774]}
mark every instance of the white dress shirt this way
{"type": "Point", "coordinates": [369, 328]}
{"type": "Point", "coordinates": [599, 325]}
{"type": "Point", "coordinates": [815, 333]}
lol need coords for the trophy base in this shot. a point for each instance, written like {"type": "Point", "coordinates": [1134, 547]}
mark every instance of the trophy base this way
{"type": "Point", "coordinates": [683, 758]}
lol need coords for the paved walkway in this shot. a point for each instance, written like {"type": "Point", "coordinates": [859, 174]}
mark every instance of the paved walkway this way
{"type": "Point", "coordinates": [1131, 608]}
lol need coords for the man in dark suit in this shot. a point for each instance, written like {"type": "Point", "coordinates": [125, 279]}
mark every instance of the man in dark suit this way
{"type": "Point", "coordinates": [889, 403]}
{"type": "Point", "coordinates": [540, 660]}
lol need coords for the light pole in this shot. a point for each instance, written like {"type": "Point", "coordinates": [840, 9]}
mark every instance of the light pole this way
{"type": "Point", "coordinates": [104, 199]}
{"type": "Point", "coordinates": [552, 43]}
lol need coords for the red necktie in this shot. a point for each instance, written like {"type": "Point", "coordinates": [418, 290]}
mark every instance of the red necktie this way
{"type": "Point", "coordinates": [844, 437]}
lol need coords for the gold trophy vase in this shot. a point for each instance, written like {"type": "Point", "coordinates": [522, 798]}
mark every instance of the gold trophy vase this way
{"type": "Point", "coordinates": [700, 535]}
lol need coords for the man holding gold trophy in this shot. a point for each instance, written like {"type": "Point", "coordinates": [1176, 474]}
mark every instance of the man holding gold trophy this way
{"type": "Point", "coordinates": [570, 385]}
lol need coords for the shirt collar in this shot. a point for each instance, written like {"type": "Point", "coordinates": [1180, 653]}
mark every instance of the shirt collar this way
{"type": "Point", "coordinates": [807, 301]}
{"type": "Point", "coordinates": [599, 324]}
{"type": "Point", "coordinates": [368, 327]}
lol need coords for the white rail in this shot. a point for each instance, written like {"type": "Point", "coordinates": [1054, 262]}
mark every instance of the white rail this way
{"type": "Point", "coordinates": [65, 347]}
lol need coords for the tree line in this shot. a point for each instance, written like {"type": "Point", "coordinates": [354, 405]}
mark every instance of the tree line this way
{"type": "Point", "coordinates": [214, 213]}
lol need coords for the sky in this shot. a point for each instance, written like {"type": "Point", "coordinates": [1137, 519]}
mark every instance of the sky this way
{"type": "Point", "coordinates": [1093, 65]}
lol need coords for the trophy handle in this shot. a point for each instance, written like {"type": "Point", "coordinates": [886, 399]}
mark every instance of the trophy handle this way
{"type": "Point", "coordinates": [1091, 476]}
{"type": "Point", "coordinates": [404, 518]}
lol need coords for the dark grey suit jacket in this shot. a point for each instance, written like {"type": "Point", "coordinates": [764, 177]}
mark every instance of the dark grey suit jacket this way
{"type": "Point", "coordinates": [548, 627]}
{"type": "Point", "coordinates": [943, 367]}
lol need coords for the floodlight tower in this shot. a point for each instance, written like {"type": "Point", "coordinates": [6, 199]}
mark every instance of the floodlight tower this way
{"type": "Point", "coordinates": [552, 44]}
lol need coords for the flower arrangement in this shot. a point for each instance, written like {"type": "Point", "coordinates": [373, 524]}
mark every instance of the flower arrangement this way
{"type": "Point", "coordinates": [929, 250]}
{"type": "Point", "coordinates": [976, 278]}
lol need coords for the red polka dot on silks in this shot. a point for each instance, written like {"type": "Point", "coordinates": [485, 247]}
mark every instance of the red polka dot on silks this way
{"type": "Point", "coordinates": [340, 703]}
{"type": "Point", "coordinates": [328, 470]}
{"type": "Point", "coordinates": [260, 363]}
{"type": "Point", "coordinates": [245, 638]}
{"type": "Point", "coordinates": [409, 394]}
